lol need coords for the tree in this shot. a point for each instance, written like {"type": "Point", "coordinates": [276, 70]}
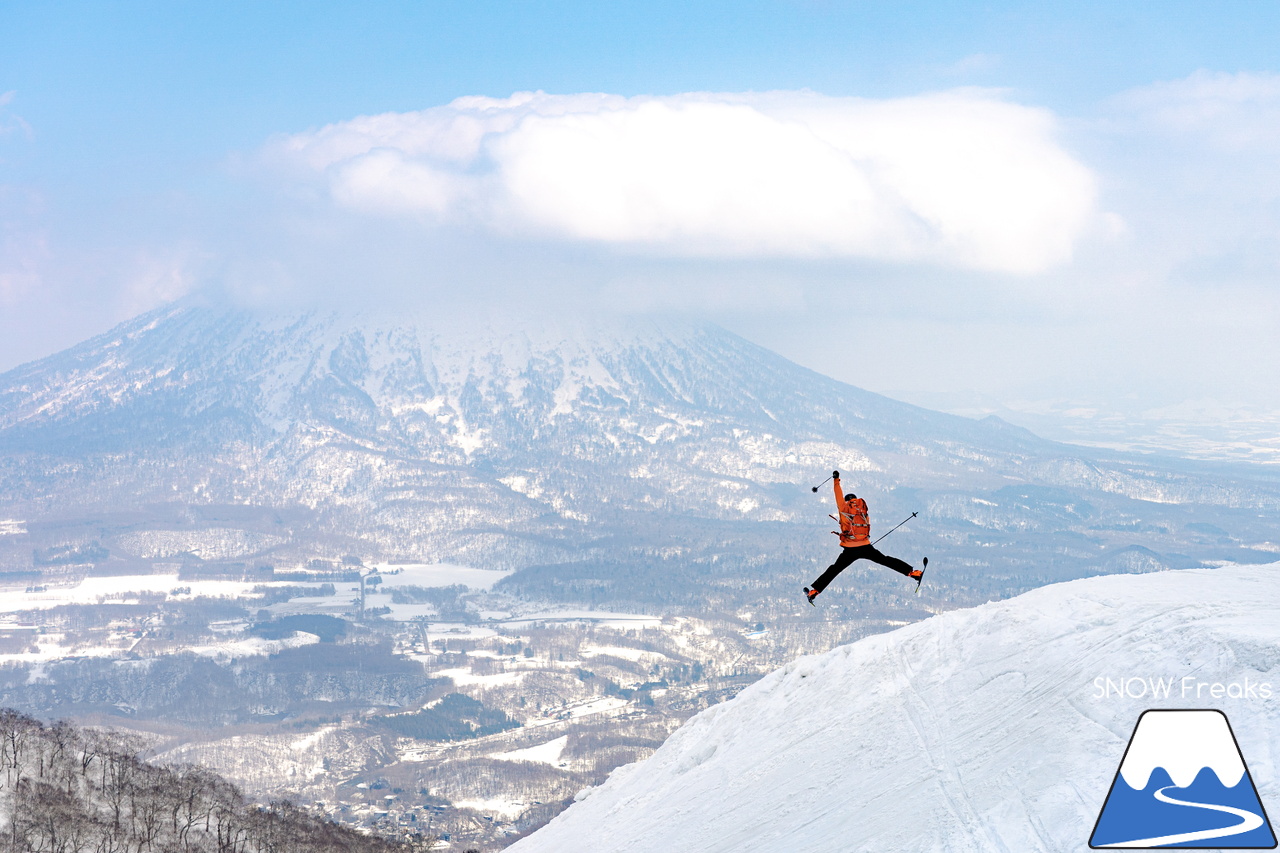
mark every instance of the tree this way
{"type": "Point", "coordinates": [56, 805]}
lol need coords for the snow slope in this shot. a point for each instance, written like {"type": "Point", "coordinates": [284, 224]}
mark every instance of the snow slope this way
{"type": "Point", "coordinates": [989, 729]}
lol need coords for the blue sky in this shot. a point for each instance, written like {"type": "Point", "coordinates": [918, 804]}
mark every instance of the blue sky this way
{"type": "Point", "coordinates": [166, 83]}
{"type": "Point", "coordinates": [148, 149]}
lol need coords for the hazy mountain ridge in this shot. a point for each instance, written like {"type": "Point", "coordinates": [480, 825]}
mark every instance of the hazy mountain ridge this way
{"type": "Point", "coordinates": [524, 441]}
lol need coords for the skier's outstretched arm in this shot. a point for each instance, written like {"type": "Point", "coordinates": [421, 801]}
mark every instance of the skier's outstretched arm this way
{"type": "Point", "coordinates": [835, 479]}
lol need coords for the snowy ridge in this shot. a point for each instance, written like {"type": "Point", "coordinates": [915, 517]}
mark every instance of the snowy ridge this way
{"type": "Point", "coordinates": [284, 351]}
{"type": "Point", "coordinates": [976, 730]}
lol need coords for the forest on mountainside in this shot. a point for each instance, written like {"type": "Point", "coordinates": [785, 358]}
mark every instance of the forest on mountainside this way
{"type": "Point", "coordinates": [65, 789]}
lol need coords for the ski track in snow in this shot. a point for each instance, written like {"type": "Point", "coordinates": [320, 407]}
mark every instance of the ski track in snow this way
{"type": "Point", "coordinates": [951, 788]}
{"type": "Point", "coordinates": [975, 730]}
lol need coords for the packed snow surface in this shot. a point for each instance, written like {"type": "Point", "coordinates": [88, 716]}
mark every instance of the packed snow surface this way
{"type": "Point", "coordinates": [998, 728]}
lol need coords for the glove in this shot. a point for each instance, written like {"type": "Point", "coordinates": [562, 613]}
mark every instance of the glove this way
{"type": "Point", "coordinates": [835, 475]}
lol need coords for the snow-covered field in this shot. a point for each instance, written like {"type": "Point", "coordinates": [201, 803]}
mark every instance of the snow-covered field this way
{"type": "Point", "coordinates": [543, 753]}
{"type": "Point", "coordinates": [19, 604]}
{"type": "Point", "coordinates": [254, 646]}
{"type": "Point", "coordinates": [331, 605]}
{"type": "Point", "coordinates": [997, 728]}
{"type": "Point", "coordinates": [119, 589]}
{"type": "Point", "coordinates": [603, 618]}
{"type": "Point", "coordinates": [464, 677]}
{"type": "Point", "coordinates": [630, 654]}
{"type": "Point", "coordinates": [128, 588]}
{"type": "Point", "coordinates": [52, 647]}
{"type": "Point", "coordinates": [439, 574]}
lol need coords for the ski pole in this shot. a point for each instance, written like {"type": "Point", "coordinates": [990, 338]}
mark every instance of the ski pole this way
{"type": "Point", "coordinates": [820, 485]}
{"type": "Point", "coordinates": [899, 524]}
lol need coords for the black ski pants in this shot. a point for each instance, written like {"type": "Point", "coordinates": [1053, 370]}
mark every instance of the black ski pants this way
{"type": "Point", "coordinates": [859, 552]}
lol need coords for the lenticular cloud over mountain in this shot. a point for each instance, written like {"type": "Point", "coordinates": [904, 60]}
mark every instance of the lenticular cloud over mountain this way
{"type": "Point", "coordinates": [960, 178]}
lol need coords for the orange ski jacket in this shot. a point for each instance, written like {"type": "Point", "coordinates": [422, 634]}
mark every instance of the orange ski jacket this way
{"type": "Point", "coordinates": [855, 526]}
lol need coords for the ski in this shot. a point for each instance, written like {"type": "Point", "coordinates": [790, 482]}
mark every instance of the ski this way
{"type": "Point", "coordinates": [920, 579]}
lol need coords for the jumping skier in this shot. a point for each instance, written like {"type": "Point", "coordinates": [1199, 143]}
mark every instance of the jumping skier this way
{"type": "Point", "coordinates": [855, 542]}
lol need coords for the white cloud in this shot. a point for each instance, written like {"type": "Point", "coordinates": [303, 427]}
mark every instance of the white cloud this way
{"type": "Point", "coordinates": [961, 178]}
{"type": "Point", "coordinates": [22, 256]}
{"type": "Point", "coordinates": [974, 63]}
{"type": "Point", "coordinates": [1231, 111]}
{"type": "Point", "coordinates": [155, 277]}
{"type": "Point", "coordinates": [1196, 176]}
{"type": "Point", "coordinates": [24, 244]}
{"type": "Point", "coordinates": [11, 121]}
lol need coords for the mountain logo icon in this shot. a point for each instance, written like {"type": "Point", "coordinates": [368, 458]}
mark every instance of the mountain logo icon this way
{"type": "Point", "coordinates": [1183, 783]}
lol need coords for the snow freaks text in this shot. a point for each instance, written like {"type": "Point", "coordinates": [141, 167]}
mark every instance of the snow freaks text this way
{"type": "Point", "coordinates": [1187, 687]}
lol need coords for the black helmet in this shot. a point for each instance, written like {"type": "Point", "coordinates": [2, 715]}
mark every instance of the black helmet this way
{"type": "Point", "coordinates": [851, 496]}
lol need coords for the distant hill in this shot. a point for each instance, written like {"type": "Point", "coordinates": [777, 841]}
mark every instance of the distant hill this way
{"type": "Point", "coordinates": [631, 461]}
{"type": "Point", "coordinates": [993, 728]}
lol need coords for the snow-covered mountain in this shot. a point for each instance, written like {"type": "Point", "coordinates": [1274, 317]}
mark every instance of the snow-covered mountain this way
{"type": "Point", "coordinates": [582, 451]}
{"type": "Point", "coordinates": [997, 728]}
